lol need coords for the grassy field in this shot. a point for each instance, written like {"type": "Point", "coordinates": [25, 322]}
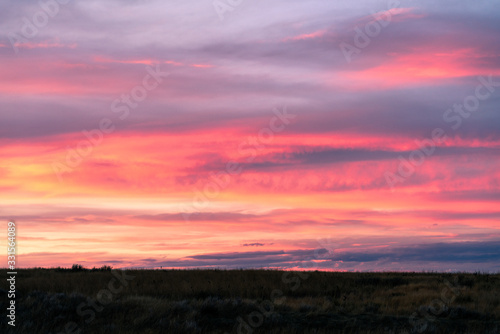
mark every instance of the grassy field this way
{"type": "Point", "coordinates": [251, 301]}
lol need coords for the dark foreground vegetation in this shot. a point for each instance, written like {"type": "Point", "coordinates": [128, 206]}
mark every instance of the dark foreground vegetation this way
{"type": "Point", "coordinates": [251, 301]}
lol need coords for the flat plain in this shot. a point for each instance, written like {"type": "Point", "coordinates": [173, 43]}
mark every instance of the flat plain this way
{"type": "Point", "coordinates": [102, 300]}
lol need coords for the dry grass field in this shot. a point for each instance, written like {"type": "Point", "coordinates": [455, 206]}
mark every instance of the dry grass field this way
{"type": "Point", "coordinates": [252, 301]}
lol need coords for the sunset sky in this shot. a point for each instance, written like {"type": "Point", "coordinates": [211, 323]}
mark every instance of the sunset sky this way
{"type": "Point", "coordinates": [335, 135]}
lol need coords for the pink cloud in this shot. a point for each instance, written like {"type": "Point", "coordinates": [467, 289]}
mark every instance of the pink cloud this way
{"type": "Point", "coordinates": [316, 34]}
{"type": "Point", "coordinates": [45, 45]}
{"type": "Point", "coordinates": [202, 65]}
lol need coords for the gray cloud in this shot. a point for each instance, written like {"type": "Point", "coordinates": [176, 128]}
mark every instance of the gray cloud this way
{"type": "Point", "coordinates": [463, 252]}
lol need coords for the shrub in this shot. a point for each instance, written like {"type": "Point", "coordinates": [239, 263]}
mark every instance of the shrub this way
{"type": "Point", "coordinates": [77, 267]}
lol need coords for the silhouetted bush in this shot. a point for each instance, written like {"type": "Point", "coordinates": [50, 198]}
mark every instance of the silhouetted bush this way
{"type": "Point", "coordinates": [77, 267]}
